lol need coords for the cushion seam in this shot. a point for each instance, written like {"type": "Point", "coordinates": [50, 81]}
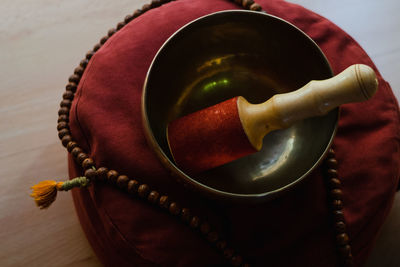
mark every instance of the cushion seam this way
{"type": "Point", "coordinates": [79, 96]}
{"type": "Point", "coordinates": [124, 239]}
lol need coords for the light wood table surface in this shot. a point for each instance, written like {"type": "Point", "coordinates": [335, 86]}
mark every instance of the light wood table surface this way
{"type": "Point", "coordinates": [41, 42]}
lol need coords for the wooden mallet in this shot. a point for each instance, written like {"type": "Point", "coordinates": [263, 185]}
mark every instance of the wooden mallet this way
{"type": "Point", "coordinates": [235, 128]}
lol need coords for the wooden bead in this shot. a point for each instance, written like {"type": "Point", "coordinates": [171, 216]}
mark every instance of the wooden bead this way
{"type": "Point", "coordinates": [334, 183]}
{"type": "Point", "coordinates": [103, 39]}
{"type": "Point", "coordinates": [78, 71]}
{"type": "Point", "coordinates": [185, 214]}
{"type": "Point", "coordinates": [63, 132]}
{"type": "Point", "coordinates": [195, 222]}
{"type": "Point", "coordinates": [247, 3]}
{"type": "Point", "coordinates": [205, 228]}
{"type": "Point", "coordinates": [337, 204]}
{"type": "Point", "coordinates": [153, 197]}
{"type": "Point", "coordinates": [342, 239]}
{"type": "Point", "coordinates": [228, 253]}
{"type": "Point", "coordinates": [65, 140]}
{"type": "Point", "coordinates": [133, 186]}
{"type": "Point", "coordinates": [332, 173]}
{"type": "Point", "coordinates": [145, 7]}
{"type": "Point", "coordinates": [112, 176]}
{"type": "Point", "coordinates": [89, 55]}
{"type": "Point", "coordinates": [72, 86]}
{"type": "Point", "coordinates": [65, 103]}
{"type": "Point", "coordinates": [255, 7]}
{"type": "Point", "coordinates": [128, 18]}
{"type": "Point", "coordinates": [81, 157]}
{"type": "Point", "coordinates": [340, 227]}
{"type": "Point", "coordinates": [332, 163]}
{"type": "Point", "coordinates": [87, 163]}
{"type": "Point", "coordinates": [155, 3]}
{"type": "Point", "coordinates": [344, 251]}
{"type": "Point", "coordinates": [164, 202]}
{"type": "Point", "coordinates": [76, 151]}
{"type": "Point", "coordinates": [331, 153]}
{"type": "Point", "coordinates": [137, 13]}
{"type": "Point", "coordinates": [122, 181]}
{"type": "Point", "coordinates": [83, 63]}
{"type": "Point", "coordinates": [63, 118]}
{"type": "Point", "coordinates": [90, 174]}
{"type": "Point", "coordinates": [212, 237]}
{"type": "Point", "coordinates": [221, 245]}
{"type": "Point", "coordinates": [101, 173]}
{"type": "Point", "coordinates": [120, 25]}
{"type": "Point", "coordinates": [71, 145]}
{"type": "Point", "coordinates": [338, 215]}
{"type": "Point", "coordinates": [111, 32]}
{"type": "Point", "coordinates": [337, 194]}
{"type": "Point", "coordinates": [143, 190]}
{"type": "Point", "coordinates": [63, 111]}
{"type": "Point", "coordinates": [236, 260]}
{"type": "Point", "coordinates": [74, 78]}
{"type": "Point", "coordinates": [174, 208]}
{"type": "Point", "coordinates": [68, 95]}
{"type": "Point", "coordinates": [62, 125]}
{"type": "Point", "coordinates": [96, 47]}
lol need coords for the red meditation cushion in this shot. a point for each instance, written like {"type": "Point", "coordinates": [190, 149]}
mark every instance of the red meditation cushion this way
{"type": "Point", "coordinates": [292, 230]}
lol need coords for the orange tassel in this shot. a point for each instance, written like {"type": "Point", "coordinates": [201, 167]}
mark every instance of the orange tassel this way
{"type": "Point", "coordinates": [45, 192]}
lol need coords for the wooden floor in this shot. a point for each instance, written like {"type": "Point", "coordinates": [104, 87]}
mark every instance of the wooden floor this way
{"type": "Point", "coordinates": [40, 44]}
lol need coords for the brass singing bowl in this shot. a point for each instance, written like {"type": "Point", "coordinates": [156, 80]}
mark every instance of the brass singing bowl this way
{"type": "Point", "coordinates": [239, 53]}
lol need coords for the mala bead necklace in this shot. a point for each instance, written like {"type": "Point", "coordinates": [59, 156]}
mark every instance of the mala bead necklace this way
{"type": "Point", "coordinates": [45, 192]}
{"type": "Point", "coordinates": [335, 197]}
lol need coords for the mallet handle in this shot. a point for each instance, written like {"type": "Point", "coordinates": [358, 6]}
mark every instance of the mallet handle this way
{"type": "Point", "coordinates": [357, 83]}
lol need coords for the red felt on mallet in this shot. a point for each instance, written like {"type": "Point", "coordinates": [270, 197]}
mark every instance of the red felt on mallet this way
{"type": "Point", "coordinates": [202, 140]}
{"type": "Point", "coordinates": [235, 128]}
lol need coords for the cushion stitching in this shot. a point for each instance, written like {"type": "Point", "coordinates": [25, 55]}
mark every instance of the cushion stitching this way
{"type": "Point", "coordinates": [124, 239]}
{"type": "Point", "coordinates": [77, 105]}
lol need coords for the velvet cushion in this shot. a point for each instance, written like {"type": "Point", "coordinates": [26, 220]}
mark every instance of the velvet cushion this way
{"type": "Point", "coordinates": [293, 230]}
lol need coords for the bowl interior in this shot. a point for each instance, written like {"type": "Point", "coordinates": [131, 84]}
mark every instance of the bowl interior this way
{"type": "Point", "coordinates": [245, 53]}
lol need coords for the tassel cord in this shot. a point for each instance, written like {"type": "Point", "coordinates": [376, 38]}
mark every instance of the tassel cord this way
{"type": "Point", "coordinates": [76, 182]}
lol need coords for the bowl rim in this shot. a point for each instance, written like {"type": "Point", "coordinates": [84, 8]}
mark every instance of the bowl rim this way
{"type": "Point", "coordinates": [181, 176]}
